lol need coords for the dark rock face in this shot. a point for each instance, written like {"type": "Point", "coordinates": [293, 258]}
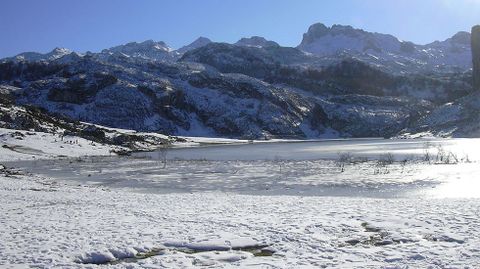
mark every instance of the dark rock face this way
{"type": "Point", "coordinates": [476, 56]}
{"type": "Point", "coordinates": [78, 89]}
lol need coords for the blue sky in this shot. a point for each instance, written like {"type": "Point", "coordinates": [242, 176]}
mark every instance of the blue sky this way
{"type": "Point", "coordinates": [41, 25]}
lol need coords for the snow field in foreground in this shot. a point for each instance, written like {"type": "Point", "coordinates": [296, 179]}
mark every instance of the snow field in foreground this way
{"type": "Point", "coordinates": [51, 225]}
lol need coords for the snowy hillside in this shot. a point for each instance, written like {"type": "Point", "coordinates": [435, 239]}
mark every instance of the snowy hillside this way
{"type": "Point", "coordinates": [456, 119]}
{"type": "Point", "coordinates": [197, 100]}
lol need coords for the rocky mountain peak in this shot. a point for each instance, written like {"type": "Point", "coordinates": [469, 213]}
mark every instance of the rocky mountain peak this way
{"type": "Point", "coordinates": [462, 38]}
{"type": "Point", "coordinates": [315, 31]}
{"type": "Point", "coordinates": [256, 41]}
{"type": "Point", "coordinates": [198, 43]}
{"type": "Point", "coordinates": [58, 51]}
{"type": "Point", "coordinates": [135, 47]}
{"type": "Point", "coordinates": [149, 49]}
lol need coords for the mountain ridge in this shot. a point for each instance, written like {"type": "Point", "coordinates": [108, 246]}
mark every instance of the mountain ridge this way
{"type": "Point", "coordinates": [338, 41]}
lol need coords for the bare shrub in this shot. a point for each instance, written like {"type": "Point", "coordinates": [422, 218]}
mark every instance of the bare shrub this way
{"type": "Point", "coordinates": [426, 152]}
{"type": "Point", "coordinates": [343, 159]}
{"type": "Point", "coordinates": [386, 159]}
{"type": "Point", "coordinates": [163, 150]}
{"type": "Point", "coordinates": [445, 156]}
{"type": "Point", "coordinates": [441, 154]}
{"type": "Point", "coordinates": [278, 160]}
{"type": "Point", "coordinates": [465, 159]}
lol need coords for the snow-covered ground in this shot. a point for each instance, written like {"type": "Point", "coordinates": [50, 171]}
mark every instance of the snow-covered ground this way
{"type": "Point", "coordinates": [51, 225]}
{"type": "Point", "coordinates": [29, 145]}
{"type": "Point", "coordinates": [25, 145]}
{"type": "Point", "coordinates": [313, 211]}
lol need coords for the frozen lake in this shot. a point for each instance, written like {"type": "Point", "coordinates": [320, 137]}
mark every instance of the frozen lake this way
{"type": "Point", "coordinates": [326, 149]}
{"type": "Point", "coordinates": [312, 168]}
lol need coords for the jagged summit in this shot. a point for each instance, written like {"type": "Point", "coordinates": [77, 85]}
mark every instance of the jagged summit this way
{"type": "Point", "coordinates": [256, 41]}
{"type": "Point", "coordinates": [387, 51]}
{"type": "Point", "coordinates": [323, 40]}
{"type": "Point", "coordinates": [319, 30]}
{"type": "Point", "coordinates": [198, 43]}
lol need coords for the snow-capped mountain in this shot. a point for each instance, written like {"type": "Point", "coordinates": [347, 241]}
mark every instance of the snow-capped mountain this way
{"type": "Point", "coordinates": [388, 52]}
{"type": "Point", "coordinates": [153, 50]}
{"type": "Point", "coordinates": [198, 43]}
{"type": "Point", "coordinates": [339, 82]}
{"type": "Point", "coordinates": [256, 41]}
{"type": "Point", "coordinates": [56, 53]}
{"type": "Point", "coordinates": [322, 40]}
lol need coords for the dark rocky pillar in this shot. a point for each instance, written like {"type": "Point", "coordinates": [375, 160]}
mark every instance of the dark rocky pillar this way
{"type": "Point", "coordinates": [476, 56]}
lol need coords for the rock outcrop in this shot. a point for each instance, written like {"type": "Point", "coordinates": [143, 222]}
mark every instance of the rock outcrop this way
{"type": "Point", "coordinates": [476, 56]}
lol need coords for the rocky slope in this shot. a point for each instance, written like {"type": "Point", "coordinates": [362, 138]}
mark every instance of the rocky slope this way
{"type": "Point", "coordinates": [37, 119]}
{"type": "Point", "coordinates": [281, 65]}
